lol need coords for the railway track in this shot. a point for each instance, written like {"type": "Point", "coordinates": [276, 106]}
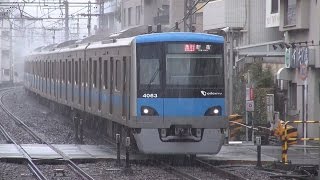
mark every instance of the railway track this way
{"type": "Point", "coordinates": [30, 162]}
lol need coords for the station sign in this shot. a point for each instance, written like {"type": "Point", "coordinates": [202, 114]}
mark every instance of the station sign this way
{"type": "Point", "coordinates": [295, 58]}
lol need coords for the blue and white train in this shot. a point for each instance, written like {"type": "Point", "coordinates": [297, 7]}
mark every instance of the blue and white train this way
{"type": "Point", "coordinates": [165, 90]}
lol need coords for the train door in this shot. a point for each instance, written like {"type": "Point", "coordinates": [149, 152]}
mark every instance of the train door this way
{"type": "Point", "coordinates": [66, 80]}
{"type": "Point", "coordinates": [54, 77]}
{"type": "Point", "coordinates": [72, 81]}
{"type": "Point", "coordinates": [125, 89]}
{"type": "Point", "coordinates": [105, 75]}
{"type": "Point", "coordinates": [111, 86]}
{"type": "Point", "coordinates": [60, 78]}
{"type": "Point", "coordinates": [80, 81]}
{"type": "Point", "coordinates": [100, 84]}
{"type": "Point", "coordinates": [90, 82]}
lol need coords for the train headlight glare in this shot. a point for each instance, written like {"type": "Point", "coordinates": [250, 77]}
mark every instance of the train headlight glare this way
{"type": "Point", "coordinates": [148, 111]}
{"type": "Point", "coordinates": [214, 111]}
{"type": "Point", "coordinates": [145, 111]}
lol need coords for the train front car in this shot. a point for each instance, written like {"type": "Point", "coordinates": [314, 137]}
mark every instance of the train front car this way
{"type": "Point", "coordinates": [180, 93]}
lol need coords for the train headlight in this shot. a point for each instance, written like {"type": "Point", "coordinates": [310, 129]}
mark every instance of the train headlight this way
{"type": "Point", "coordinates": [148, 111]}
{"type": "Point", "coordinates": [214, 111]}
{"type": "Point", "coordinates": [145, 111]}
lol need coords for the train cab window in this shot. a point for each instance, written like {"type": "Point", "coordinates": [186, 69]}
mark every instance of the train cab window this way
{"type": "Point", "coordinates": [148, 62]}
{"type": "Point", "coordinates": [94, 74]}
{"type": "Point", "coordinates": [100, 73]}
{"type": "Point", "coordinates": [105, 67]}
{"type": "Point", "coordinates": [118, 74]}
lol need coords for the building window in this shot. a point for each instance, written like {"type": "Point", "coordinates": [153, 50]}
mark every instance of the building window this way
{"type": "Point", "coordinates": [5, 34]}
{"type": "Point", "coordinates": [274, 6]}
{"type": "Point", "coordinates": [138, 15]}
{"type": "Point", "coordinates": [290, 12]}
{"type": "Point", "coordinates": [292, 95]}
{"type": "Point", "coordinates": [129, 16]}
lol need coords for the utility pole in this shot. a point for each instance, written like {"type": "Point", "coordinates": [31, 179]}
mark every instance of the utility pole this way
{"type": "Point", "coordinates": [78, 27]}
{"type": "Point", "coordinates": [66, 28]}
{"type": "Point", "coordinates": [189, 5]}
{"type": "Point", "coordinates": [101, 11]}
{"type": "Point", "coordinates": [89, 18]}
{"type": "Point", "coordinates": [11, 53]}
{"type": "Point", "coordinates": [54, 33]}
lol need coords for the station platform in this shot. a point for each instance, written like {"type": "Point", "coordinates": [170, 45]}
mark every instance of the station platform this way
{"type": "Point", "coordinates": [72, 151]}
{"type": "Point", "coordinates": [237, 152]}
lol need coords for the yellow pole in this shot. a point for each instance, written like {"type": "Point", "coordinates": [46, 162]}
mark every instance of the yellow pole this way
{"type": "Point", "coordinates": [284, 155]}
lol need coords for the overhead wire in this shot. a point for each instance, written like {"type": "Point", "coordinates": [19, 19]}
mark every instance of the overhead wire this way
{"type": "Point", "coordinates": [188, 14]}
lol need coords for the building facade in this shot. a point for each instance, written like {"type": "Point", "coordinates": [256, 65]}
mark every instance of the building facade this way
{"type": "Point", "coordinates": [109, 20]}
{"type": "Point", "coordinates": [144, 12]}
{"type": "Point", "coordinates": [6, 74]}
{"type": "Point", "coordinates": [249, 34]}
{"type": "Point", "coordinates": [299, 22]}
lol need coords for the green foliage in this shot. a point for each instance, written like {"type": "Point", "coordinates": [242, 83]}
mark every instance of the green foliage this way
{"type": "Point", "coordinates": [261, 78]}
{"type": "Point", "coordinates": [262, 81]}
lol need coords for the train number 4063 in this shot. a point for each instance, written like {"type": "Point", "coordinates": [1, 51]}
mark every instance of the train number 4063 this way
{"type": "Point", "coordinates": [150, 95]}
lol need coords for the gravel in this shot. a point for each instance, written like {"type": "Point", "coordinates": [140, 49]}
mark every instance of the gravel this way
{"type": "Point", "coordinates": [54, 172]}
{"type": "Point", "coordinates": [53, 127]}
{"type": "Point", "coordinates": [16, 132]}
{"type": "Point", "coordinates": [15, 171]}
{"type": "Point", "coordinates": [107, 170]}
{"type": "Point", "coordinates": [251, 172]}
{"type": "Point", "coordinates": [200, 173]}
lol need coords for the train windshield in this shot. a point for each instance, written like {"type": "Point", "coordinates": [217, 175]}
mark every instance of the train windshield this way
{"type": "Point", "coordinates": [194, 70]}
{"type": "Point", "coordinates": [194, 65]}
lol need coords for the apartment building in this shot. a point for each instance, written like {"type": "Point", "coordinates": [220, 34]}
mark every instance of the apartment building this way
{"type": "Point", "coordinates": [144, 12]}
{"type": "Point", "coordinates": [299, 22]}
{"type": "Point", "coordinates": [5, 49]}
{"type": "Point", "coordinates": [251, 29]}
{"type": "Point", "coordinates": [110, 19]}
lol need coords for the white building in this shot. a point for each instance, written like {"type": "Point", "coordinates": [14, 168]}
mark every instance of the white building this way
{"type": "Point", "coordinates": [6, 57]}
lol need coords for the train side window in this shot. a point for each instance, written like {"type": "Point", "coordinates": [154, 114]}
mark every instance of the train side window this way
{"type": "Point", "coordinates": [94, 73]}
{"type": "Point", "coordinates": [105, 74]}
{"type": "Point", "coordinates": [118, 74]}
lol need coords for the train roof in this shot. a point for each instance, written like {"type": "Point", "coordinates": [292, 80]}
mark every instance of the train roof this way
{"type": "Point", "coordinates": [74, 45]}
{"type": "Point", "coordinates": [180, 37]}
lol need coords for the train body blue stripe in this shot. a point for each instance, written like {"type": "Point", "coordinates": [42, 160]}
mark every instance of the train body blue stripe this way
{"type": "Point", "coordinates": [179, 37]}
{"type": "Point", "coordinates": [183, 107]}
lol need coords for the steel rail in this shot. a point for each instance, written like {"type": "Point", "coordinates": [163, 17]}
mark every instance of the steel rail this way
{"type": "Point", "coordinates": [219, 171]}
{"type": "Point", "coordinates": [179, 173]}
{"type": "Point", "coordinates": [74, 167]}
{"type": "Point", "coordinates": [33, 167]}
{"type": "Point", "coordinates": [22, 124]}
